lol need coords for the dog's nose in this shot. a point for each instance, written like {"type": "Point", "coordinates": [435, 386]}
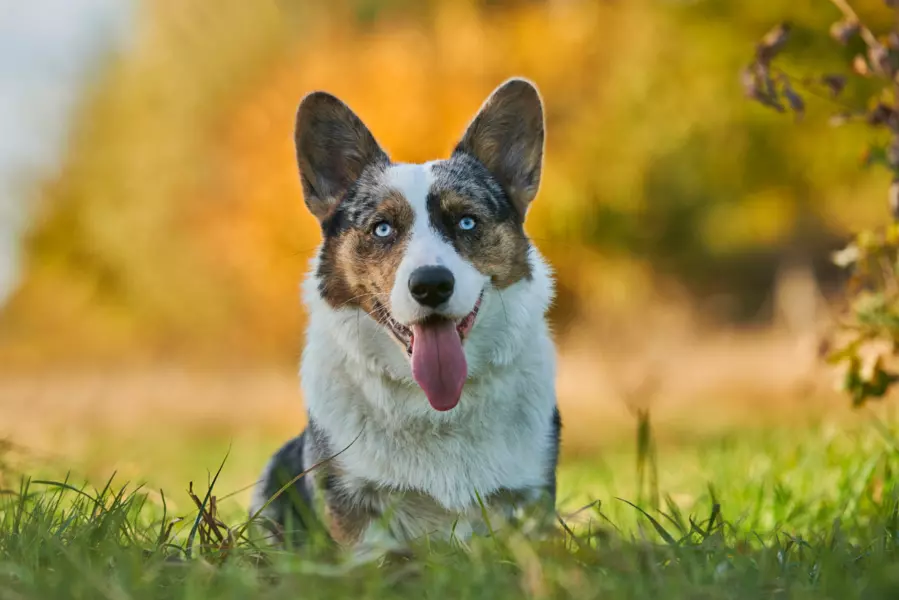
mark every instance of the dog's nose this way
{"type": "Point", "coordinates": [431, 286]}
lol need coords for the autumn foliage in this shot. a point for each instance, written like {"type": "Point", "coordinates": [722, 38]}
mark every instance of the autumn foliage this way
{"type": "Point", "coordinates": [175, 224]}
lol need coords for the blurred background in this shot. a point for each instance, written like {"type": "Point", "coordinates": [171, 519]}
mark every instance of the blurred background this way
{"type": "Point", "coordinates": [153, 235]}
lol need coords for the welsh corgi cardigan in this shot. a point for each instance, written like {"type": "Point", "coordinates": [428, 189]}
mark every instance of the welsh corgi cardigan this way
{"type": "Point", "coordinates": [428, 371]}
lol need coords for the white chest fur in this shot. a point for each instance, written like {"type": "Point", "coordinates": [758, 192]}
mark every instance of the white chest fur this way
{"type": "Point", "coordinates": [359, 391]}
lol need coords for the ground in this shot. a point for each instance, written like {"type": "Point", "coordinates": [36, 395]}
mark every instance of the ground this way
{"type": "Point", "coordinates": [805, 505]}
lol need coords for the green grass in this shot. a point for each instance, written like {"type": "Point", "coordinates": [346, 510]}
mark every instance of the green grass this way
{"type": "Point", "coordinates": [807, 512]}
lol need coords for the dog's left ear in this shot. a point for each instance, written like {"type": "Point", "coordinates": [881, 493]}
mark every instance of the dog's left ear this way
{"type": "Point", "coordinates": [507, 136]}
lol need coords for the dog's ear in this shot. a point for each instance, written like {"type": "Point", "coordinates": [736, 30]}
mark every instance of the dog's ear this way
{"type": "Point", "coordinates": [333, 148]}
{"type": "Point", "coordinates": [507, 136]}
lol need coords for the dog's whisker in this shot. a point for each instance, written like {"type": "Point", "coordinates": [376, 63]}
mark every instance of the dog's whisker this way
{"type": "Point", "coordinates": [375, 295]}
{"type": "Point", "coordinates": [503, 304]}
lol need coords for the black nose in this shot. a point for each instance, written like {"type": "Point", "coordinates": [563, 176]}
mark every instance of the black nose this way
{"type": "Point", "coordinates": [431, 286]}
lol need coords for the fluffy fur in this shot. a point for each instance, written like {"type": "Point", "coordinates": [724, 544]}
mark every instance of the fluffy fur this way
{"type": "Point", "coordinates": [386, 464]}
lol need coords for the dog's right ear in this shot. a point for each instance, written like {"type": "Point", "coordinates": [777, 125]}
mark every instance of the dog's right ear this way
{"type": "Point", "coordinates": [333, 148]}
{"type": "Point", "coordinates": [507, 136]}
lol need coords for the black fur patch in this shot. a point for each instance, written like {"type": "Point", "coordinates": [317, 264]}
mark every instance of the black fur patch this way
{"type": "Point", "coordinates": [292, 509]}
{"type": "Point", "coordinates": [554, 452]}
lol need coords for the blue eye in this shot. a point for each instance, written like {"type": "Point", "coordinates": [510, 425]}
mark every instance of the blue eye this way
{"type": "Point", "coordinates": [467, 223]}
{"type": "Point", "coordinates": [383, 229]}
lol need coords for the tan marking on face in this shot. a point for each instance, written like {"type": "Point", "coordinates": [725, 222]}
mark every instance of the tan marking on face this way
{"type": "Point", "coordinates": [497, 248]}
{"type": "Point", "coordinates": [364, 266]}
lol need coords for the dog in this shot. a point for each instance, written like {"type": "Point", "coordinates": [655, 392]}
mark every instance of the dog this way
{"type": "Point", "coordinates": [429, 366]}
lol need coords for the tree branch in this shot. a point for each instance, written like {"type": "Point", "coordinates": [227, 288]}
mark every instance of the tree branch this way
{"type": "Point", "coordinates": [869, 38]}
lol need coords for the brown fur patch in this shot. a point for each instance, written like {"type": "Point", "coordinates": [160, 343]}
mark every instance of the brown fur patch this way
{"type": "Point", "coordinates": [345, 527]}
{"type": "Point", "coordinates": [358, 269]}
{"type": "Point", "coordinates": [344, 520]}
{"type": "Point", "coordinates": [497, 248]}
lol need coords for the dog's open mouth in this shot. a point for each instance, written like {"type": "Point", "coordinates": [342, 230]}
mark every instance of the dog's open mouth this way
{"type": "Point", "coordinates": [405, 336]}
{"type": "Point", "coordinates": [435, 349]}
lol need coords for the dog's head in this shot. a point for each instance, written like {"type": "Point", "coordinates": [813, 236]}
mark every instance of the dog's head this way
{"type": "Point", "coordinates": [417, 247]}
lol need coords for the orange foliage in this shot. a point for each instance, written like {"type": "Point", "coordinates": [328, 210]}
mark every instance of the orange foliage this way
{"type": "Point", "coordinates": [176, 222]}
{"type": "Point", "coordinates": [415, 88]}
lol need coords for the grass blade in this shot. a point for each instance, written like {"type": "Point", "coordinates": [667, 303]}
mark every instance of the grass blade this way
{"type": "Point", "coordinates": [656, 525]}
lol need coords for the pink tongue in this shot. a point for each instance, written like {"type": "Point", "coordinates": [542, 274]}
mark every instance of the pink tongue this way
{"type": "Point", "coordinates": [438, 363]}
